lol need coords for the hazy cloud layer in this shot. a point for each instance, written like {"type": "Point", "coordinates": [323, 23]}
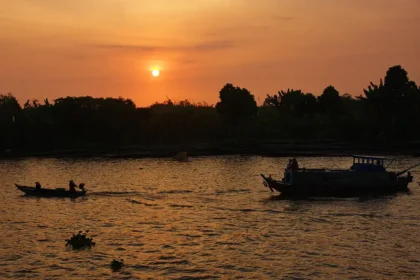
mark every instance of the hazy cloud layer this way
{"type": "Point", "coordinates": [202, 47]}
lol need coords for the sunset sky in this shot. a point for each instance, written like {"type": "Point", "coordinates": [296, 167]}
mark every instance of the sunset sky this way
{"type": "Point", "coordinates": [55, 48]}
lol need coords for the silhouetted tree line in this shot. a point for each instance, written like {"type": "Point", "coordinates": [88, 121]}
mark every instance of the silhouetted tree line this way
{"type": "Point", "coordinates": [387, 113]}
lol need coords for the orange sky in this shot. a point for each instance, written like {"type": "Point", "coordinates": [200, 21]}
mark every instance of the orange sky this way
{"type": "Point", "coordinates": [54, 48]}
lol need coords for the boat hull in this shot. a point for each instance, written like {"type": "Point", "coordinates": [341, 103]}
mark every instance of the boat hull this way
{"type": "Point", "coordinates": [339, 186]}
{"type": "Point", "coordinates": [31, 191]}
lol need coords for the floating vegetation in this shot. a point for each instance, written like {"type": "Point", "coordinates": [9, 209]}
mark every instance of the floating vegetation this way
{"type": "Point", "coordinates": [80, 241]}
{"type": "Point", "coordinates": [117, 265]}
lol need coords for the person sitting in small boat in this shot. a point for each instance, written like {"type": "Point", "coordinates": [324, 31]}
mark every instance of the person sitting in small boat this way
{"type": "Point", "coordinates": [37, 186]}
{"type": "Point", "coordinates": [72, 186]}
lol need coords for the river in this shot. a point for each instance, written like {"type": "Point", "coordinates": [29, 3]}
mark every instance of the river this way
{"type": "Point", "coordinates": [209, 218]}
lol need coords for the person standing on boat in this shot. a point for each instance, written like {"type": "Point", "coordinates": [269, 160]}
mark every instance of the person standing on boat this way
{"type": "Point", "coordinates": [295, 165]}
{"type": "Point", "coordinates": [289, 164]}
{"type": "Point", "coordinates": [72, 186]}
{"type": "Point", "coordinates": [37, 186]}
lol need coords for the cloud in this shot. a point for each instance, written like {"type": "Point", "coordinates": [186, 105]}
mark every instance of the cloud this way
{"type": "Point", "coordinates": [202, 47]}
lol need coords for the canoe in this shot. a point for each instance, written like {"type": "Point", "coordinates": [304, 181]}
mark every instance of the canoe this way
{"type": "Point", "coordinates": [58, 192]}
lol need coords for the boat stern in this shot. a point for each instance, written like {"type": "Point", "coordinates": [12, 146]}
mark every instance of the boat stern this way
{"type": "Point", "coordinates": [404, 181]}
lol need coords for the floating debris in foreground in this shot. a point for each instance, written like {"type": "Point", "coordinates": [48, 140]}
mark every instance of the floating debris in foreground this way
{"type": "Point", "coordinates": [117, 265]}
{"type": "Point", "coordinates": [80, 241]}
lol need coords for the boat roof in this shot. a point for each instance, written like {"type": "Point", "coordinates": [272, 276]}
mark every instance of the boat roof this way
{"type": "Point", "coordinates": [369, 157]}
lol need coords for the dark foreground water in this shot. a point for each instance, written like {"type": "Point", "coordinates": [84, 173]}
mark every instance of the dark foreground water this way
{"type": "Point", "coordinates": [210, 218]}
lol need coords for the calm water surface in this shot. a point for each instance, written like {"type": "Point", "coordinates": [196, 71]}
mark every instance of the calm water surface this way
{"type": "Point", "coordinates": [210, 218]}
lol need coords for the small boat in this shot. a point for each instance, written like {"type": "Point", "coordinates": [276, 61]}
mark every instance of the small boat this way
{"type": "Point", "coordinates": [57, 192]}
{"type": "Point", "coordinates": [367, 175]}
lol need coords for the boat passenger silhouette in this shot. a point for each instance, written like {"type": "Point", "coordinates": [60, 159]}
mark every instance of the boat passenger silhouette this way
{"type": "Point", "coordinates": [294, 165]}
{"type": "Point", "coordinates": [289, 164]}
{"type": "Point", "coordinates": [72, 186]}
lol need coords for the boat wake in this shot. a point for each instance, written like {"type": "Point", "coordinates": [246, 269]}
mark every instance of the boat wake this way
{"type": "Point", "coordinates": [232, 191]}
{"type": "Point", "coordinates": [248, 210]}
{"type": "Point", "coordinates": [131, 193]}
{"type": "Point", "coordinates": [175, 192]}
{"type": "Point", "coordinates": [133, 201]}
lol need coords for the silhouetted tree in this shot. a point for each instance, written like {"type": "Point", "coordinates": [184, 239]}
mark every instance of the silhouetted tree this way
{"type": "Point", "coordinates": [396, 81]}
{"type": "Point", "coordinates": [388, 103]}
{"type": "Point", "coordinates": [40, 125]}
{"type": "Point", "coordinates": [237, 105]}
{"type": "Point", "coordinates": [10, 112]}
{"type": "Point", "coordinates": [330, 101]}
{"type": "Point", "coordinates": [388, 96]}
{"type": "Point", "coordinates": [293, 102]}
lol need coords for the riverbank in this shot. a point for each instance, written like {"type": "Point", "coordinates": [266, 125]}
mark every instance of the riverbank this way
{"type": "Point", "coordinates": [258, 148]}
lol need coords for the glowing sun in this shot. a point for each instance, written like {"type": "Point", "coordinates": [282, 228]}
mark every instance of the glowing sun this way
{"type": "Point", "coordinates": [155, 72]}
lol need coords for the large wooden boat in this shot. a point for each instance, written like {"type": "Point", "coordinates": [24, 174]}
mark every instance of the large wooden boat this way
{"type": "Point", "coordinates": [43, 192]}
{"type": "Point", "coordinates": [366, 175]}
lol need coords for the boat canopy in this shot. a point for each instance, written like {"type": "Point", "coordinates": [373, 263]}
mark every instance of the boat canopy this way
{"type": "Point", "coordinates": [369, 157]}
{"type": "Point", "coordinates": [365, 163]}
